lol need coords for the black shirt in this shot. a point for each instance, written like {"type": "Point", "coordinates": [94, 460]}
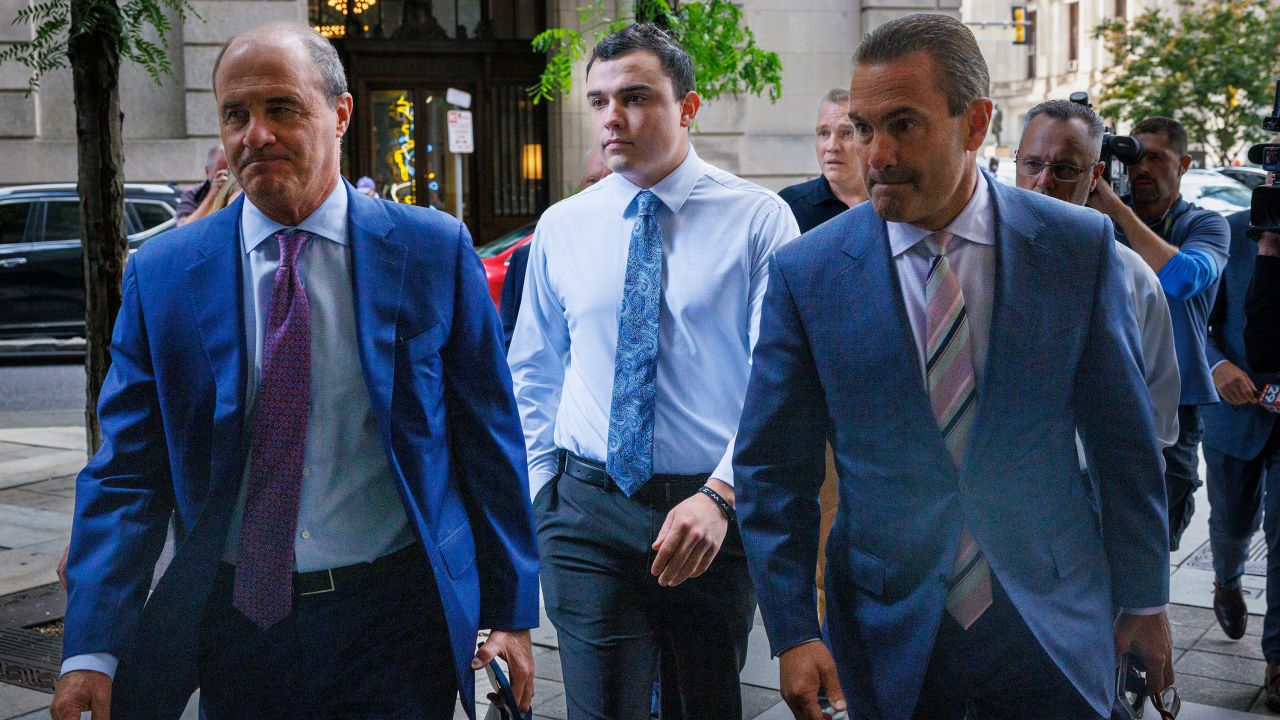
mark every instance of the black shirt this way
{"type": "Point", "coordinates": [812, 203]}
{"type": "Point", "coordinates": [1262, 308]}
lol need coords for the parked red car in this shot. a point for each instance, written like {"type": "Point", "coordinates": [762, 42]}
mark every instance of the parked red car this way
{"type": "Point", "coordinates": [497, 255]}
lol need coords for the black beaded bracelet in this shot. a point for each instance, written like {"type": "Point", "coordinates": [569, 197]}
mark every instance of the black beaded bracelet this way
{"type": "Point", "coordinates": [720, 502]}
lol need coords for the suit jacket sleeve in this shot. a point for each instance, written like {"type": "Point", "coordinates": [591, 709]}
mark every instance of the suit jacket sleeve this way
{"type": "Point", "coordinates": [1114, 415]}
{"type": "Point", "coordinates": [487, 451]}
{"type": "Point", "coordinates": [124, 496]}
{"type": "Point", "coordinates": [779, 463]}
{"type": "Point", "coordinates": [512, 289]}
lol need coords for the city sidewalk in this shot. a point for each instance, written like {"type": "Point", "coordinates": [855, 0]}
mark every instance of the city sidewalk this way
{"type": "Point", "coordinates": [1219, 679]}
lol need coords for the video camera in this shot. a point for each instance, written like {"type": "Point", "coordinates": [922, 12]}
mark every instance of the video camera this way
{"type": "Point", "coordinates": [1118, 151]}
{"type": "Point", "coordinates": [1264, 208]}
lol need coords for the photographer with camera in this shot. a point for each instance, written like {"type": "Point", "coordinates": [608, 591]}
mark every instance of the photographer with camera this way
{"type": "Point", "coordinates": [1059, 155]}
{"type": "Point", "coordinates": [1187, 247]}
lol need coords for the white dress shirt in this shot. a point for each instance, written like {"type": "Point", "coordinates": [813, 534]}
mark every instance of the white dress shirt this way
{"type": "Point", "coordinates": [972, 256]}
{"type": "Point", "coordinates": [717, 233]}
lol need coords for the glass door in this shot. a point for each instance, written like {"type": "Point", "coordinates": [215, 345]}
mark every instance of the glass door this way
{"type": "Point", "coordinates": [409, 149]}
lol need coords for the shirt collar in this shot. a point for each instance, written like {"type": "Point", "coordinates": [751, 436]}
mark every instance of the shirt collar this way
{"type": "Point", "coordinates": [673, 190]}
{"type": "Point", "coordinates": [822, 192]}
{"type": "Point", "coordinates": [975, 223]}
{"type": "Point", "coordinates": [329, 221]}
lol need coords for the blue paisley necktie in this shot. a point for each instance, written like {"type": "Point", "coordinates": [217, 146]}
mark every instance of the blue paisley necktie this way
{"type": "Point", "coordinates": [635, 364]}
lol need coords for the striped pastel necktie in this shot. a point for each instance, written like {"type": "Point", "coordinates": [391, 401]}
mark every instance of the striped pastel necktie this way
{"type": "Point", "coordinates": [953, 396]}
{"type": "Point", "coordinates": [263, 589]}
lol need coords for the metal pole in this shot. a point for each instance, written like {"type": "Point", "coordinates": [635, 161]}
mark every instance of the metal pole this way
{"type": "Point", "coordinates": [457, 185]}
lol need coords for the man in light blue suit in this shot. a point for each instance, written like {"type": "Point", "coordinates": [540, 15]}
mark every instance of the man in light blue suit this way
{"type": "Point", "coordinates": [310, 386]}
{"type": "Point", "coordinates": [948, 338]}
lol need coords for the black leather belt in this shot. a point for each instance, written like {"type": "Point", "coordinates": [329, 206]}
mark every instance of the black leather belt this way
{"type": "Point", "coordinates": [333, 579]}
{"type": "Point", "coordinates": [661, 490]}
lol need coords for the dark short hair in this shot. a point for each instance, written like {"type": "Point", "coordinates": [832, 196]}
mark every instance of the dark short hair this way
{"type": "Point", "coordinates": [1171, 129]}
{"type": "Point", "coordinates": [1066, 111]}
{"type": "Point", "coordinates": [649, 38]}
{"type": "Point", "coordinates": [962, 73]}
{"type": "Point", "coordinates": [330, 75]}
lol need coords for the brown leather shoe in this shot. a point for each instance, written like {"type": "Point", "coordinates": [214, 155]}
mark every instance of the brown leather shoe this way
{"type": "Point", "coordinates": [1273, 687]}
{"type": "Point", "coordinates": [1232, 614]}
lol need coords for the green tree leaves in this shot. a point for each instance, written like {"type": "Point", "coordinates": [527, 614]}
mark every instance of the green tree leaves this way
{"type": "Point", "coordinates": [1212, 68]}
{"type": "Point", "coordinates": [723, 48]}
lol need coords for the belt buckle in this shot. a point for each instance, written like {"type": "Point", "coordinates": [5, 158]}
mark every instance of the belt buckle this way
{"type": "Point", "coordinates": [329, 589]}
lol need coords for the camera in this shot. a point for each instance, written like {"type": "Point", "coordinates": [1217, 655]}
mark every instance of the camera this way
{"type": "Point", "coordinates": [1118, 151]}
{"type": "Point", "coordinates": [1264, 207]}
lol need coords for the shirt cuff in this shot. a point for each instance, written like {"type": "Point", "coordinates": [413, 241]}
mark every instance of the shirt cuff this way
{"type": "Point", "coordinates": [1214, 367]}
{"type": "Point", "coordinates": [1143, 611]}
{"type": "Point", "coordinates": [104, 663]}
{"type": "Point", "coordinates": [724, 471]}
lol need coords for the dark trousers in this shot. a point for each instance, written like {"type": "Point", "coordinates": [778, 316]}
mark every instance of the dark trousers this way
{"type": "Point", "coordinates": [377, 648]}
{"type": "Point", "coordinates": [613, 620]}
{"type": "Point", "coordinates": [1240, 491]}
{"type": "Point", "coordinates": [1182, 472]}
{"type": "Point", "coordinates": [996, 670]}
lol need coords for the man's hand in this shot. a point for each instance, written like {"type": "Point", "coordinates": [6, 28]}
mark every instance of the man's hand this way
{"type": "Point", "coordinates": [802, 671]}
{"type": "Point", "coordinates": [82, 691]}
{"type": "Point", "coordinates": [516, 648]}
{"type": "Point", "coordinates": [1234, 384]}
{"type": "Point", "coordinates": [1269, 244]}
{"type": "Point", "coordinates": [1104, 199]}
{"type": "Point", "coordinates": [1148, 637]}
{"type": "Point", "coordinates": [62, 566]}
{"type": "Point", "coordinates": [691, 537]}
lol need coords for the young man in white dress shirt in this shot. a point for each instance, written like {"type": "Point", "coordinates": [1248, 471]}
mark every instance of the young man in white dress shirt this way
{"type": "Point", "coordinates": [630, 361]}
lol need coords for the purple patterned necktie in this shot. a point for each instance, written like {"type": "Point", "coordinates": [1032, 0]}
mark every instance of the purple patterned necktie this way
{"type": "Point", "coordinates": [264, 561]}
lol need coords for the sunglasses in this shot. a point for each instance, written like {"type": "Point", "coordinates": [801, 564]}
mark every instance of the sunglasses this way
{"type": "Point", "coordinates": [1133, 694]}
{"type": "Point", "coordinates": [503, 705]}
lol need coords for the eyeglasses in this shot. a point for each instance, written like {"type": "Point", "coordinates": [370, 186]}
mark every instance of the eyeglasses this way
{"type": "Point", "coordinates": [1061, 171]}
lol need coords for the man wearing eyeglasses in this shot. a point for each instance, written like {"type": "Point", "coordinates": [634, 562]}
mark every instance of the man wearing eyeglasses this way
{"type": "Point", "coordinates": [1058, 156]}
{"type": "Point", "coordinates": [1187, 248]}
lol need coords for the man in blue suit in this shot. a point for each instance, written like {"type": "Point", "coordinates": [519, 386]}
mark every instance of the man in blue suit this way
{"type": "Point", "coordinates": [310, 387]}
{"type": "Point", "coordinates": [948, 337]}
{"type": "Point", "coordinates": [1242, 457]}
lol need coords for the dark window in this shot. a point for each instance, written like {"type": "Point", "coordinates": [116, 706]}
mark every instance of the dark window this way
{"type": "Point", "coordinates": [62, 220]}
{"type": "Point", "coordinates": [1122, 9]}
{"type": "Point", "coordinates": [519, 158]}
{"type": "Point", "coordinates": [421, 20]}
{"type": "Point", "coordinates": [1031, 44]}
{"type": "Point", "coordinates": [1073, 28]}
{"type": "Point", "coordinates": [151, 214]}
{"type": "Point", "coordinates": [13, 222]}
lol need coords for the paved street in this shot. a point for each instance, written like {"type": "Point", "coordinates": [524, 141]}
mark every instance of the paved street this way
{"type": "Point", "coordinates": [41, 393]}
{"type": "Point", "coordinates": [1218, 678]}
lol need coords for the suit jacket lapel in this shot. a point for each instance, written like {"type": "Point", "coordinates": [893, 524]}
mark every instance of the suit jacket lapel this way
{"type": "Point", "coordinates": [1015, 318]}
{"type": "Point", "coordinates": [377, 266]}
{"type": "Point", "coordinates": [216, 269]}
{"type": "Point", "coordinates": [871, 277]}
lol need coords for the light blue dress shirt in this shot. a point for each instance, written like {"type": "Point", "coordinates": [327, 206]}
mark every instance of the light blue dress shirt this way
{"type": "Point", "coordinates": [350, 511]}
{"type": "Point", "coordinates": [717, 233]}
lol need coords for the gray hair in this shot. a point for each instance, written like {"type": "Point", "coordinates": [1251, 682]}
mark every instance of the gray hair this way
{"type": "Point", "coordinates": [1066, 111]}
{"type": "Point", "coordinates": [962, 73]}
{"type": "Point", "coordinates": [331, 77]}
{"type": "Point", "coordinates": [838, 96]}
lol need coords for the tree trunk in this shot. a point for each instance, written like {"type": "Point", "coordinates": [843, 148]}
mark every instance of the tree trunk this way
{"type": "Point", "coordinates": [95, 71]}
